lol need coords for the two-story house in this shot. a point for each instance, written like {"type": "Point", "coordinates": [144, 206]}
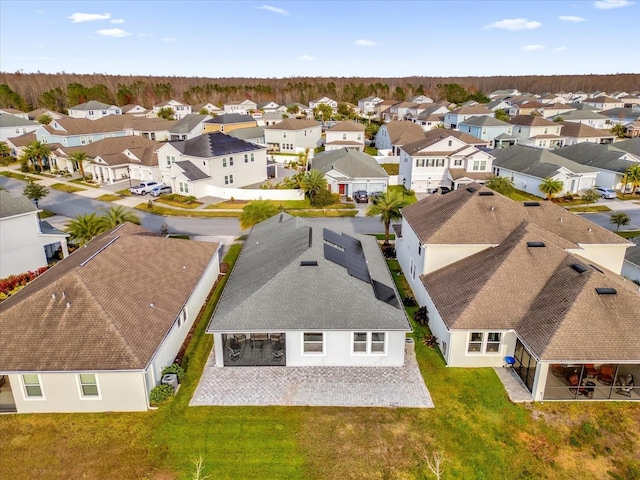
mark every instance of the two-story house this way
{"type": "Point", "coordinates": [347, 134]}
{"type": "Point", "coordinates": [459, 115]}
{"type": "Point", "coordinates": [12, 126]}
{"type": "Point", "coordinates": [192, 166]}
{"type": "Point", "coordinates": [207, 108]}
{"type": "Point", "coordinates": [585, 117]}
{"type": "Point", "coordinates": [94, 110]}
{"type": "Point", "coordinates": [428, 116]}
{"type": "Point", "coordinates": [179, 109]}
{"type": "Point", "coordinates": [26, 242]}
{"type": "Point", "coordinates": [324, 101]}
{"type": "Point", "coordinates": [188, 126]}
{"type": "Point", "coordinates": [604, 102]}
{"type": "Point", "coordinates": [271, 107]}
{"type": "Point", "coordinates": [243, 107]}
{"type": "Point", "coordinates": [293, 135]}
{"type": "Point", "coordinates": [399, 111]}
{"type": "Point", "coordinates": [393, 135]}
{"type": "Point", "coordinates": [579, 133]}
{"type": "Point", "coordinates": [492, 130]}
{"type": "Point", "coordinates": [367, 106]}
{"type": "Point", "coordinates": [442, 160]}
{"type": "Point", "coordinates": [228, 122]}
{"type": "Point", "coordinates": [535, 131]}
{"type": "Point", "coordinates": [135, 110]}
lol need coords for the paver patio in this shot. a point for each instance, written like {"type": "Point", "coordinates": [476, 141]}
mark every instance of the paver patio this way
{"type": "Point", "coordinates": [313, 386]}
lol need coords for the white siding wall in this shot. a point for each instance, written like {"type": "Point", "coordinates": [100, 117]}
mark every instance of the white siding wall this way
{"type": "Point", "coordinates": [610, 257]}
{"type": "Point", "coordinates": [459, 357]}
{"type": "Point", "coordinates": [119, 392]}
{"type": "Point", "coordinates": [438, 256]}
{"type": "Point", "coordinates": [21, 247]}
{"type": "Point", "coordinates": [338, 351]}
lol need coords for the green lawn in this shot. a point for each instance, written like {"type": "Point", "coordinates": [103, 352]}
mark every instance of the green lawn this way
{"type": "Point", "coordinates": [108, 197]}
{"type": "Point", "coordinates": [18, 176]}
{"type": "Point", "coordinates": [371, 151]}
{"type": "Point", "coordinates": [482, 434]}
{"type": "Point", "coordinates": [66, 188]}
{"type": "Point", "coordinates": [391, 168]}
{"type": "Point", "coordinates": [172, 203]}
{"type": "Point", "coordinates": [590, 209]}
{"type": "Point", "coordinates": [408, 198]}
{"type": "Point", "coordinates": [84, 183]}
{"type": "Point", "coordinates": [46, 214]}
{"type": "Point", "coordinates": [629, 233]}
{"type": "Point", "coordinates": [521, 196]}
{"type": "Point", "coordinates": [280, 204]}
{"type": "Point", "coordinates": [172, 212]}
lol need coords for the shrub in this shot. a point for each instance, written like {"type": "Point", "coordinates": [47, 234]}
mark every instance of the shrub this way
{"type": "Point", "coordinates": [421, 316]}
{"type": "Point", "coordinates": [388, 251]}
{"type": "Point", "coordinates": [590, 196]}
{"type": "Point", "coordinates": [431, 341]}
{"type": "Point", "coordinates": [24, 166]}
{"type": "Point", "coordinates": [568, 197]}
{"type": "Point", "coordinates": [174, 368]}
{"type": "Point", "coordinates": [160, 394]}
{"type": "Point", "coordinates": [409, 301]}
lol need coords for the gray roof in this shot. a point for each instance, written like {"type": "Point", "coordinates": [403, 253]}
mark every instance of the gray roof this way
{"type": "Point", "coordinates": [585, 114]}
{"type": "Point", "coordinates": [622, 113]}
{"type": "Point", "coordinates": [535, 161]}
{"type": "Point", "coordinates": [633, 253]}
{"type": "Point", "coordinates": [8, 120]}
{"type": "Point", "coordinates": [187, 123]}
{"type": "Point", "coordinates": [192, 172]}
{"type": "Point", "coordinates": [349, 162]}
{"type": "Point", "coordinates": [631, 145]}
{"type": "Point", "coordinates": [91, 105]}
{"type": "Point", "coordinates": [47, 228]}
{"type": "Point", "coordinates": [213, 145]}
{"type": "Point", "coordinates": [595, 155]}
{"type": "Point", "coordinates": [485, 121]}
{"type": "Point", "coordinates": [247, 133]}
{"type": "Point", "coordinates": [229, 118]}
{"type": "Point", "coordinates": [12, 206]}
{"type": "Point", "coordinates": [268, 289]}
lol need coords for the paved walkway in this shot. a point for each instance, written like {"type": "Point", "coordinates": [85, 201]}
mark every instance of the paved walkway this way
{"type": "Point", "coordinates": [314, 386]}
{"type": "Point", "coordinates": [516, 390]}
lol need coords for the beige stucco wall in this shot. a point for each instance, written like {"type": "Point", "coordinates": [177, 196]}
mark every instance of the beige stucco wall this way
{"type": "Point", "coordinates": [610, 256]}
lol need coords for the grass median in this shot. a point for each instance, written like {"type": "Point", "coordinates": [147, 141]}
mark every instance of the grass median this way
{"type": "Point", "coordinates": [63, 187]}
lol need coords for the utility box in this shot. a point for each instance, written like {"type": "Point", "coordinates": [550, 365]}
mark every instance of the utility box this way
{"type": "Point", "coordinates": [410, 346]}
{"type": "Point", "coordinates": [170, 379]}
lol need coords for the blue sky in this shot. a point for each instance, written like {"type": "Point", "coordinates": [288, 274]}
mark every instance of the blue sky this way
{"type": "Point", "coordinates": [329, 38]}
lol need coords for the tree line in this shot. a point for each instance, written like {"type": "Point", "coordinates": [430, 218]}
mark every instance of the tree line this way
{"type": "Point", "coordinates": [28, 91]}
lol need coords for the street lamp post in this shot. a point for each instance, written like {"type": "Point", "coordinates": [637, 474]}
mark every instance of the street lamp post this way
{"type": "Point", "coordinates": [129, 176]}
{"type": "Point", "coordinates": [404, 182]}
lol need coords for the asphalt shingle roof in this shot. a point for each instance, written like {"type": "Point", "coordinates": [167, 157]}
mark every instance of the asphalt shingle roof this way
{"type": "Point", "coordinates": [12, 206]}
{"type": "Point", "coordinates": [595, 155]}
{"type": "Point", "coordinates": [535, 161]}
{"type": "Point", "coordinates": [8, 120]}
{"type": "Point", "coordinates": [192, 172]}
{"type": "Point", "coordinates": [349, 162]}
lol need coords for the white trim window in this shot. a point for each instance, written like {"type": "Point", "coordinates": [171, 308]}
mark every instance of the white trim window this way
{"type": "Point", "coordinates": [493, 342]}
{"type": "Point", "coordinates": [484, 342]}
{"type": "Point", "coordinates": [475, 342]}
{"type": "Point", "coordinates": [228, 179]}
{"type": "Point", "coordinates": [88, 384]}
{"type": "Point", "coordinates": [312, 343]}
{"type": "Point", "coordinates": [32, 386]}
{"type": "Point", "coordinates": [372, 343]}
{"type": "Point", "coordinates": [182, 318]}
{"type": "Point", "coordinates": [359, 342]}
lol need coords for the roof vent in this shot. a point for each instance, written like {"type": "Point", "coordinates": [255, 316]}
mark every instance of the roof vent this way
{"type": "Point", "coordinates": [309, 263]}
{"type": "Point", "coordinates": [485, 194]}
{"type": "Point", "coordinates": [578, 267]}
{"type": "Point", "coordinates": [471, 189]}
{"type": "Point", "coordinates": [535, 244]}
{"type": "Point", "coordinates": [280, 220]}
{"type": "Point", "coordinates": [531, 204]}
{"type": "Point", "coordinates": [53, 296]}
{"type": "Point", "coordinates": [606, 291]}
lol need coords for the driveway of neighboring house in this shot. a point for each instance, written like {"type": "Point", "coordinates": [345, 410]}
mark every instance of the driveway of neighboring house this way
{"type": "Point", "coordinates": [313, 386]}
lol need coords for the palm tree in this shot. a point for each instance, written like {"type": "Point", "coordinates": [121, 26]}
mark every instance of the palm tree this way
{"type": "Point", "coordinates": [503, 185]}
{"type": "Point", "coordinates": [5, 150]}
{"type": "Point", "coordinates": [116, 216]}
{"type": "Point", "coordinates": [619, 219]}
{"type": "Point", "coordinates": [255, 212]}
{"type": "Point", "coordinates": [79, 158]}
{"type": "Point", "coordinates": [388, 207]}
{"type": "Point", "coordinates": [633, 177]}
{"type": "Point", "coordinates": [312, 182]}
{"type": "Point", "coordinates": [36, 151]}
{"type": "Point", "coordinates": [619, 130]}
{"type": "Point", "coordinates": [550, 187]}
{"type": "Point", "coordinates": [83, 228]}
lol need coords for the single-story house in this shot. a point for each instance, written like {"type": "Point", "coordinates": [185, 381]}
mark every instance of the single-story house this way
{"type": "Point", "coordinates": [301, 295]}
{"type": "Point", "coordinates": [94, 332]}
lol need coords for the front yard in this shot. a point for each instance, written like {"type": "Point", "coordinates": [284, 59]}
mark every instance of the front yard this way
{"type": "Point", "coordinates": [481, 433]}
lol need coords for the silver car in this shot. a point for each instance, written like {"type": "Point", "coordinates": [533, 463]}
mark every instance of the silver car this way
{"type": "Point", "coordinates": [606, 192]}
{"type": "Point", "coordinates": [156, 192]}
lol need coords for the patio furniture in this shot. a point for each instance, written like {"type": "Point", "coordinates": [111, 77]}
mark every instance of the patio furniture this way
{"type": "Point", "coordinates": [234, 353]}
{"type": "Point", "coordinates": [626, 385]}
{"type": "Point", "coordinates": [510, 361]}
{"type": "Point", "coordinates": [558, 370]}
{"type": "Point", "coordinates": [239, 337]}
{"type": "Point", "coordinates": [606, 373]}
{"type": "Point", "coordinates": [259, 337]}
{"type": "Point", "coordinates": [590, 387]}
{"type": "Point", "coordinates": [574, 383]}
{"type": "Point", "coordinates": [592, 371]}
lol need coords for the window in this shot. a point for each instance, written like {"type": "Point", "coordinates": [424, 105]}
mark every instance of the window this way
{"type": "Point", "coordinates": [493, 343]}
{"type": "Point", "coordinates": [252, 157]}
{"type": "Point", "coordinates": [231, 161]}
{"type": "Point", "coordinates": [359, 137]}
{"type": "Point", "coordinates": [440, 162]}
{"type": "Point", "coordinates": [377, 342]}
{"type": "Point", "coordinates": [475, 343]}
{"type": "Point", "coordinates": [246, 158]}
{"type": "Point", "coordinates": [479, 165]}
{"type": "Point", "coordinates": [88, 384]}
{"type": "Point", "coordinates": [419, 250]}
{"type": "Point", "coordinates": [412, 268]}
{"type": "Point", "coordinates": [359, 342]}
{"type": "Point", "coordinates": [224, 161]}
{"type": "Point", "coordinates": [183, 187]}
{"type": "Point", "coordinates": [182, 317]}
{"type": "Point", "coordinates": [450, 142]}
{"type": "Point", "coordinates": [457, 162]}
{"type": "Point", "coordinates": [228, 179]}
{"type": "Point", "coordinates": [344, 136]}
{"type": "Point", "coordinates": [32, 388]}
{"type": "Point", "coordinates": [284, 134]}
{"type": "Point", "coordinates": [313, 343]}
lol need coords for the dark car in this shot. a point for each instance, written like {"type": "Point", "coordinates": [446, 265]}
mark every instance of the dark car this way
{"type": "Point", "coordinates": [443, 190]}
{"type": "Point", "coordinates": [361, 196]}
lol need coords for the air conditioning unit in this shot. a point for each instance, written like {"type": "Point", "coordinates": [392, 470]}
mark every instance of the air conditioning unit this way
{"type": "Point", "coordinates": [410, 346]}
{"type": "Point", "coordinates": [170, 379]}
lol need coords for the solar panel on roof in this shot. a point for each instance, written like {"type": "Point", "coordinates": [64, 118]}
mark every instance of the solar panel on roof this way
{"type": "Point", "coordinates": [334, 255]}
{"type": "Point", "coordinates": [332, 237]}
{"type": "Point", "coordinates": [578, 267]}
{"type": "Point", "coordinates": [358, 268]}
{"type": "Point", "coordinates": [385, 294]}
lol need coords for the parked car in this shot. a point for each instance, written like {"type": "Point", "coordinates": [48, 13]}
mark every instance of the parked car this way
{"type": "Point", "coordinates": [376, 195]}
{"type": "Point", "coordinates": [361, 196]}
{"type": "Point", "coordinates": [159, 190]}
{"type": "Point", "coordinates": [606, 192]}
{"type": "Point", "coordinates": [145, 187]}
{"type": "Point", "coordinates": [443, 190]}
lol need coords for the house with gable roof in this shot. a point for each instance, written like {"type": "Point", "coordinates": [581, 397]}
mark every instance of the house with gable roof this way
{"type": "Point", "coordinates": [368, 104]}
{"type": "Point", "coordinates": [527, 281]}
{"type": "Point", "coordinates": [348, 171]}
{"type": "Point", "coordinates": [12, 126]}
{"type": "Point", "coordinates": [494, 131]}
{"type": "Point", "coordinates": [535, 131]}
{"type": "Point", "coordinates": [579, 133]}
{"type": "Point", "coordinates": [429, 117]}
{"type": "Point", "coordinates": [207, 108]}
{"type": "Point", "coordinates": [355, 319]}
{"type": "Point", "coordinates": [346, 134]}
{"type": "Point", "coordinates": [243, 107]}
{"type": "Point", "coordinates": [585, 117]}
{"type": "Point", "coordinates": [188, 126]}
{"type": "Point", "coordinates": [228, 122]}
{"type": "Point", "coordinates": [604, 102]}
{"type": "Point", "coordinates": [80, 339]}
{"type": "Point", "coordinates": [393, 135]}
{"type": "Point", "coordinates": [441, 159]}
{"type": "Point", "coordinates": [193, 166]}
{"type": "Point", "coordinates": [135, 110]}
{"type": "Point", "coordinates": [94, 110]}
{"type": "Point", "coordinates": [528, 167]}
{"type": "Point", "coordinates": [26, 242]}
{"type": "Point", "coordinates": [293, 135]}
{"type": "Point", "coordinates": [323, 101]}
{"type": "Point", "coordinates": [453, 118]}
{"type": "Point", "coordinates": [179, 109]}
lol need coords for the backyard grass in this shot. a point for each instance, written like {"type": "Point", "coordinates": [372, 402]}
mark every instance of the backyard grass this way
{"type": "Point", "coordinates": [590, 209]}
{"type": "Point", "coordinates": [521, 196]}
{"type": "Point", "coordinates": [481, 433]}
{"type": "Point", "coordinates": [63, 187]}
{"type": "Point", "coordinates": [391, 168]}
{"type": "Point", "coordinates": [46, 214]}
{"type": "Point", "coordinates": [108, 197]}
{"type": "Point", "coordinates": [408, 198]}
{"type": "Point", "coordinates": [371, 151]}
{"type": "Point", "coordinates": [280, 204]}
{"type": "Point", "coordinates": [124, 192]}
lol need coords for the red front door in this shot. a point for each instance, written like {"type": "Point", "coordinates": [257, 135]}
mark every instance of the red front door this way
{"type": "Point", "coordinates": [341, 188]}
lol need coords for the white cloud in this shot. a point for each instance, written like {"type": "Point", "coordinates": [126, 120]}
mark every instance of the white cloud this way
{"type": "Point", "coordinates": [609, 4]}
{"type": "Point", "coordinates": [514, 24]}
{"type": "Point", "coordinates": [89, 17]}
{"type": "Point", "coordinates": [113, 32]}
{"type": "Point", "coordinates": [533, 48]}
{"type": "Point", "coordinates": [571, 18]}
{"type": "Point", "coordinates": [117, 20]}
{"type": "Point", "coordinates": [169, 39]}
{"type": "Point", "coordinates": [365, 43]}
{"type": "Point", "coordinates": [560, 49]}
{"type": "Point", "coordinates": [306, 58]}
{"type": "Point", "coordinates": [145, 34]}
{"type": "Point", "coordinates": [269, 8]}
